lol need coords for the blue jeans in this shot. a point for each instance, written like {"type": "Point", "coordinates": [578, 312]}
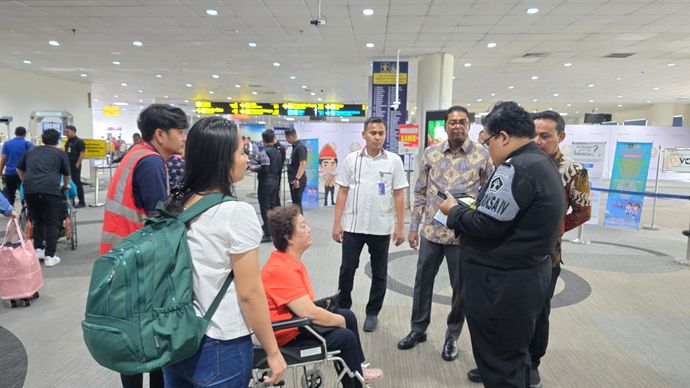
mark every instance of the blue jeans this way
{"type": "Point", "coordinates": [220, 364]}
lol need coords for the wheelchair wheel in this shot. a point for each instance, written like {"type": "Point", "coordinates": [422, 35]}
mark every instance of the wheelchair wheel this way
{"type": "Point", "coordinates": [312, 378]}
{"type": "Point", "coordinates": [73, 229]}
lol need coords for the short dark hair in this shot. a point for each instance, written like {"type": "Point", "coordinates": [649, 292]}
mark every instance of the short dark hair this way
{"type": "Point", "coordinates": [212, 141]}
{"type": "Point", "coordinates": [20, 131]}
{"type": "Point", "coordinates": [50, 137]}
{"type": "Point", "coordinates": [290, 132]}
{"type": "Point", "coordinates": [135, 135]}
{"type": "Point", "coordinates": [373, 120]}
{"type": "Point", "coordinates": [161, 116]}
{"type": "Point", "coordinates": [281, 224]}
{"type": "Point", "coordinates": [553, 116]}
{"type": "Point", "coordinates": [510, 117]}
{"type": "Point", "coordinates": [71, 128]}
{"type": "Point", "coordinates": [457, 108]}
{"type": "Point", "coordinates": [268, 136]}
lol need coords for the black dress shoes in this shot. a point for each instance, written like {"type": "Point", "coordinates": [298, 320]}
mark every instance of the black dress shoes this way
{"type": "Point", "coordinates": [411, 340]}
{"type": "Point", "coordinates": [474, 376]}
{"type": "Point", "coordinates": [450, 349]}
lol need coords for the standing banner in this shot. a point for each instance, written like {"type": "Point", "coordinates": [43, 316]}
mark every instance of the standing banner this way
{"type": "Point", "coordinates": [630, 167]}
{"type": "Point", "coordinates": [383, 97]}
{"type": "Point", "coordinates": [408, 140]}
{"type": "Point", "coordinates": [591, 156]}
{"type": "Point", "coordinates": [310, 198]}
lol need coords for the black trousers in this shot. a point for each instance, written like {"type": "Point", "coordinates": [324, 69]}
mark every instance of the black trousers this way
{"type": "Point", "coordinates": [344, 339]}
{"type": "Point", "coordinates": [266, 193]}
{"type": "Point", "coordinates": [12, 183]}
{"type": "Point", "coordinates": [296, 194]}
{"type": "Point", "coordinates": [137, 381]}
{"type": "Point", "coordinates": [378, 252]}
{"type": "Point", "coordinates": [328, 190]}
{"type": "Point", "coordinates": [75, 172]}
{"type": "Point", "coordinates": [275, 202]}
{"type": "Point", "coordinates": [540, 341]}
{"type": "Point", "coordinates": [502, 307]}
{"type": "Point", "coordinates": [45, 211]}
{"type": "Point", "coordinates": [430, 257]}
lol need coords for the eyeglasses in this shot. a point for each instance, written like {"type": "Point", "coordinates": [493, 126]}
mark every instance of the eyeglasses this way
{"type": "Point", "coordinates": [462, 122]}
{"type": "Point", "coordinates": [485, 143]}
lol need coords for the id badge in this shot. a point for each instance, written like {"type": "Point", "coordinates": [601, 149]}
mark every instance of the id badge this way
{"type": "Point", "coordinates": [382, 188]}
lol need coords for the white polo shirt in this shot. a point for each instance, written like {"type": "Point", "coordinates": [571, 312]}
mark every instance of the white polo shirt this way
{"type": "Point", "coordinates": [370, 206]}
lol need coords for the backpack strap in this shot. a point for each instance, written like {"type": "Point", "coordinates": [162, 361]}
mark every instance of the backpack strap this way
{"type": "Point", "coordinates": [205, 203]}
{"type": "Point", "coordinates": [216, 301]}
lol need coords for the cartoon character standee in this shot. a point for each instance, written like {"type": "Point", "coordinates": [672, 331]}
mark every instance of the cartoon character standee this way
{"type": "Point", "coordinates": [328, 163]}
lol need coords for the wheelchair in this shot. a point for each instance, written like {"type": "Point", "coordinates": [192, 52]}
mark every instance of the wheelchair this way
{"type": "Point", "coordinates": [68, 229]}
{"type": "Point", "coordinates": [307, 360]}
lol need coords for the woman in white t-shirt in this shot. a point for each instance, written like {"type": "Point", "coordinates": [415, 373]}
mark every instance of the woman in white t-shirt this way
{"type": "Point", "coordinates": [224, 238]}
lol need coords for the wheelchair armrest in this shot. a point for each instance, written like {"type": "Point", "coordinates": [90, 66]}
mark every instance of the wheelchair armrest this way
{"type": "Point", "coordinates": [291, 323]}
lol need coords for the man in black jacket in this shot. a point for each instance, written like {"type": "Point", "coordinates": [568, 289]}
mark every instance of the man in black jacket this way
{"type": "Point", "coordinates": [507, 243]}
{"type": "Point", "coordinates": [268, 175]}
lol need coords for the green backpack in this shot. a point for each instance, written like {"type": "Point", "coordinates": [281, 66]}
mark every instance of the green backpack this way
{"type": "Point", "coordinates": [139, 313]}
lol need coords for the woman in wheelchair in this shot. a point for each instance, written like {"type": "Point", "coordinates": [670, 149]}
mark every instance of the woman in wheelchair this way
{"type": "Point", "coordinates": [289, 293]}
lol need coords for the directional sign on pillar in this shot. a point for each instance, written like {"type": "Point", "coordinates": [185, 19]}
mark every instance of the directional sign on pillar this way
{"type": "Point", "coordinates": [383, 98]}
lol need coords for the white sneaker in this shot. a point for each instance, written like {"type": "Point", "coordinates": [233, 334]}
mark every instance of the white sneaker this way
{"type": "Point", "coordinates": [51, 261]}
{"type": "Point", "coordinates": [41, 253]}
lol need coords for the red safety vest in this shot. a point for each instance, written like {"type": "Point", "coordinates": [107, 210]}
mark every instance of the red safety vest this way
{"type": "Point", "coordinates": [122, 216]}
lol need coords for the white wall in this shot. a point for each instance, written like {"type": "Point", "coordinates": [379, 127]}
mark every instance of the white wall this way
{"type": "Point", "coordinates": [23, 92]}
{"type": "Point", "coordinates": [127, 121]}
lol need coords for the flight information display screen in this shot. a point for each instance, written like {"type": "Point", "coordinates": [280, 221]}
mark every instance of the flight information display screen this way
{"type": "Point", "coordinates": [280, 109]}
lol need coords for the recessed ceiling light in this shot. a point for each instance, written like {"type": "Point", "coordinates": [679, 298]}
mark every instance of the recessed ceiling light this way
{"type": "Point", "coordinates": [312, 94]}
{"type": "Point", "coordinates": [211, 92]}
{"type": "Point", "coordinates": [590, 85]}
{"type": "Point", "coordinates": [592, 100]}
{"type": "Point", "coordinates": [318, 99]}
{"type": "Point", "coordinates": [140, 91]}
{"type": "Point", "coordinates": [159, 76]}
{"type": "Point", "coordinates": [27, 62]}
{"type": "Point", "coordinates": [511, 87]}
{"type": "Point", "coordinates": [550, 108]}
{"type": "Point", "coordinates": [670, 64]}
{"type": "Point", "coordinates": [491, 44]}
{"type": "Point", "coordinates": [479, 100]}
{"type": "Point", "coordinates": [186, 101]}
{"type": "Point", "coordinates": [564, 113]}
{"type": "Point", "coordinates": [54, 43]}
{"type": "Point", "coordinates": [648, 101]}
{"type": "Point", "coordinates": [493, 94]}
{"type": "Point", "coordinates": [568, 105]}
{"type": "Point", "coordinates": [261, 122]}
{"type": "Point", "coordinates": [84, 75]}
{"type": "Point", "coordinates": [137, 43]}
{"type": "Point", "coordinates": [567, 64]}
{"type": "Point", "coordinates": [276, 64]}
{"type": "Point", "coordinates": [251, 44]}
{"type": "Point", "coordinates": [534, 100]}
{"type": "Point", "coordinates": [535, 77]}
{"type": "Point", "coordinates": [532, 10]}
{"type": "Point", "coordinates": [345, 120]}
{"type": "Point", "coordinates": [188, 85]}
{"type": "Point", "coordinates": [141, 107]}
{"type": "Point", "coordinates": [468, 64]}
{"type": "Point", "coordinates": [123, 84]}
{"type": "Point", "coordinates": [255, 93]}
{"type": "Point", "coordinates": [290, 118]}
{"type": "Point", "coordinates": [120, 103]}
{"type": "Point", "coordinates": [555, 94]}
{"type": "Point", "coordinates": [619, 78]}
{"type": "Point", "coordinates": [293, 77]}
{"type": "Point", "coordinates": [370, 45]}
{"type": "Point", "coordinates": [116, 62]}
{"type": "Point", "coordinates": [216, 76]}
{"type": "Point", "coordinates": [656, 88]}
{"type": "Point", "coordinates": [115, 96]}
{"type": "Point", "coordinates": [165, 96]}
{"type": "Point", "coordinates": [620, 96]}
{"type": "Point", "coordinates": [453, 77]}
{"type": "Point", "coordinates": [238, 85]}
{"type": "Point", "coordinates": [469, 104]}
{"type": "Point", "coordinates": [141, 100]}
{"type": "Point", "coordinates": [368, 11]}
{"type": "Point", "coordinates": [95, 100]}
{"type": "Point", "coordinates": [620, 106]}
{"type": "Point", "coordinates": [229, 98]}
{"type": "Point", "coordinates": [304, 86]}
{"type": "Point", "coordinates": [212, 12]}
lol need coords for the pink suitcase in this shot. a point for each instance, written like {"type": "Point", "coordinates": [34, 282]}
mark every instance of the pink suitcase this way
{"type": "Point", "coordinates": [20, 271]}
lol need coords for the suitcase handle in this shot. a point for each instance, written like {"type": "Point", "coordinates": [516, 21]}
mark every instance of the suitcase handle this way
{"type": "Point", "coordinates": [9, 229]}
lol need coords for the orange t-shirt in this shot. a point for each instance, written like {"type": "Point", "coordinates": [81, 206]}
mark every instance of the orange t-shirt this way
{"type": "Point", "coordinates": [285, 279]}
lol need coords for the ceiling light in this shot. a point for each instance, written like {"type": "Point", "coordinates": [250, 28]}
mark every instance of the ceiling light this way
{"type": "Point", "coordinates": [564, 113]}
{"type": "Point", "coordinates": [293, 77]}
{"type": "Point", "coordinates": [54, 43]}
{"type": "Point", "coordinates": [116, 62]}
{"type": "Point", "coordinates": [238, 85]}
{"type": "Point", "coordinates": [137, 43]}
{"type": "Point", "coordinates": [312, 94]}
{"type": "Point", "coordinates": [304, 86]}
{"type": "Point", "coordinates": [568, 105]}
{"type": "Point", "coordinates": [567, 64]}
{"type": "Point", "coordinates": [345, 120]}
{"type": "Point", "coordinates": [216, 76]}
{"type": "Point", "coordinates": [229, 98]}
{"type": "Point", "coordinates": [368, 11]}
{"type": "Point", "coordinates": [511, 87]}
{"type": "Point", "coordinates": [95, 100]}
{"type": "Point", "coordinates": [620, 96]}
{"type": "Point", "coordinates": [251, 44]}
{"type": "Point", "coordinates": [479, 100]}
{"type": "Point", "coordinates": [648, 101]}
{"type": "Point", "coordinates": [261, 122]}
{"type": "Point", "coordinates": [534, 100]}
{"type": "Point", "coordinates": [141, 107]}
{"type": "Point", "coordinates": [670, 64]}
{"type": "Point", "coordinates": [290, 118]}
{"type": "Point", "coordinates": [276, 64]}
{"type": "Point", "coordinates": [491, 44]}
{"type": "Point", "coordinates": [141, 100]}
{"type": "Point", "coordinates": [211, 12]}
{"type": "Point", "coordinates": [532, 10]}
{"type": "Point", "coordinates": [620, 106]}
{"type": "Point", "coordinates": [159, 76]}
{"type": "Point", "coordinates": [211, 92]}
{"type": "Point", "coordinates": [656, 88]}
{"type": "Point", "coordinates": [469, 104]}
{"type": "Point", "coordinates": [619, 78]}
{"type": "Point", "coordinates": [453, 77]}
{"type": "Point", "coordinates": [468, 64]}
{"type": "Point", "coordinates": [123, 84]}
{"type": "Point", "coordinates": [83, 75]}
{"type": "Point", "coordinates": [27, 62]}
{"type": "Point", "coordinates": [319, 99]}
{"type": "Point", "coordinates": [255, 93]}
{"type": "Point", "coordinates": [140, 91]}
{"type": "Point", "coordinates": [555, 94]}
{"type": "Point", "coordinates": [165, 96]}
{"type": "Point", "coordinates": [493, 94]}
{"type": "Point", "coordinates": [370, 45]}
{"type": "Point", "coordinates": [590, 85]}
{"type": "Point", "coordinates": [592, 100]}
{"type": "Point", "coordinates": [120, 103]}
{"type": "Point", "coordinates": [188, 85]}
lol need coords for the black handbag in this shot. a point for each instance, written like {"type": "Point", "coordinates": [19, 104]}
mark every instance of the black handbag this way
{"type": "Point", "coordinates": [329, 303]}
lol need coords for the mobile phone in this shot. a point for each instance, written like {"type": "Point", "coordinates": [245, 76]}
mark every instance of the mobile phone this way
{"type": "Point", "coordinates": [457, 196]}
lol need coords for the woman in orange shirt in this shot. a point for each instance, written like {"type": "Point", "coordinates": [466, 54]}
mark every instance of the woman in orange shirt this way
{"type": "Point", "coordinates": [289, 292]}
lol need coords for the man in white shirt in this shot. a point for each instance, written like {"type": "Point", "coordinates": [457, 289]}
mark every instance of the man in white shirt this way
{"type": "Point", "coordinates": [372, 183]}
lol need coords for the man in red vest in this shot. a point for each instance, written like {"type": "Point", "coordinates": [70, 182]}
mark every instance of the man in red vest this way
{"type": "Point", "coordinates": [139, 183]}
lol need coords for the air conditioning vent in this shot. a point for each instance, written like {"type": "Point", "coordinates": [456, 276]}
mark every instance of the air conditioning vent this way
{"type": "Point", "coordinates": [619, 55]}
{"type": "Point", "coordinates": [529, 57]}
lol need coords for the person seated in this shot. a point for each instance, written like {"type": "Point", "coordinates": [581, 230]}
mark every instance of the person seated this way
{"type": "Point", "coordinates": [289, 293]}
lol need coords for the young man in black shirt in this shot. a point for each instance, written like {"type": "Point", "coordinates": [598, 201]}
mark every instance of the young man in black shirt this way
{"type": "Point", "coordinates": [75, 149]}
{"type": "Point", "coordinates": [41, 169]}
{"type": "Point", "coordinates": [298, 164]}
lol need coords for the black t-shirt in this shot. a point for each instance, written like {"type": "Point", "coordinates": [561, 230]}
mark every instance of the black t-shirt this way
{"type": "Point", "coordinates": [299, 154]}
{"type": "Point", "coordinates": [43, 169]}
{"type": "Point", "coordinates": [74, 147]}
